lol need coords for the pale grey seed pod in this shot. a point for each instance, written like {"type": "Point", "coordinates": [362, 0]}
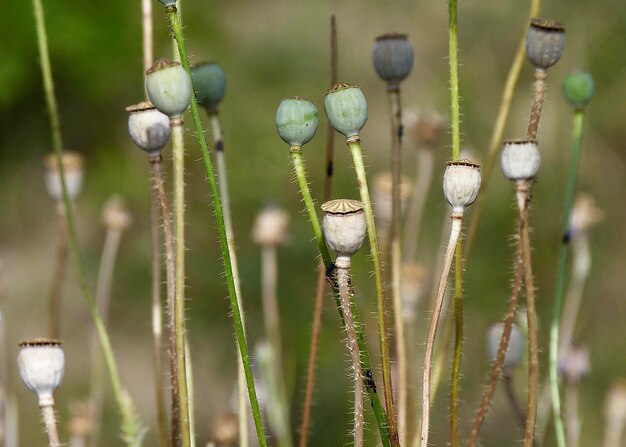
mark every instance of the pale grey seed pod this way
{"type": "Point", "coordinates": [515, 349]}
{"type": "Point", "coordinates": [545, 42]}
{"type": "Point", "coordinates": [382, 195]}
{"type": "Point", "coordinates": [296, 120]}
{"type": "Point", "coordinates": [393, 57]}
{"type": "Point", "coordinates": [169, 87]}
{"type": "Point", "coordinates": [520, 159]}
{"type": "Point", "coordinates": [574, 364]}
{"type": "Point", "coordinates": [148, 128]}
{"type": "Point", "coordinates": [115, 215]}
{"type": "Point", "coordinates": [270, 226]}
{"type": "Point", "coordinates": [346, 109]}
{"type": "Point", "coordinates": [344, 228]}
{"type": "Point", "coordinates": [461, 184]}
{"type": "Point", "coordinates": [414, 282]}
{"type": "Point", "coordinates": [585, 215]}
{"type": "Point", "coordinates": [42, 364]}
{"type": "Point", "coordinates": [73, 170]}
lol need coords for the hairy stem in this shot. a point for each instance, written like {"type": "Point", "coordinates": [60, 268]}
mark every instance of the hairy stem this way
{"type": "Point", "coordinates": [540, 93]}
{"type": "Point", "coordinates": [383, 334]}
{"type": "Point", "coordinates": [58, 278]}
{"type": "Point", "coordinates": [47, 413]}
{"type": "Point", "coordinates": [455, 232]}
{"type": "Point", "coordinates": [561, 274]}
{"type": "Point", "coordinates": [458, 344]}
{"type": "Point", "coordinates": [454, 78]}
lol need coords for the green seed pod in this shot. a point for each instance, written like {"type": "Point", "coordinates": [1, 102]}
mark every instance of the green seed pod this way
{"type": "Point", "coordinates": [209, 81]}
{"type": "Point", "coordinates": [393, 57]}
{"type": "Point", "coordinates": [148, 128]}
{"type": "Point", "coordinates": [296, 120]}
{"type": "Point", "coordinates": [346, 109]}
{"type": "Point", "coordinates": [169, 87]}
{"type": "Point", "coordinates": [578, 88]}
{"type": "Point", "coordinates": [545, 42]}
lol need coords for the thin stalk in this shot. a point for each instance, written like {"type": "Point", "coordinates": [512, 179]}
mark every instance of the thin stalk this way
{"type": "Point", "coordinates": [509, 388]}
{"type": "Point", "coordinates": [47, 413]}
{"type": "Point", "coordinates": [179, 300]}
{"type": "Point", "coordinates": [523, 201]}
{"type": "Point", "coordinates": [495, 142]}
{"type": "Point", "coordinates": [559, 292]}
{"type": "Point", "coordinates": [147, 33]}
{"type": "Point", "coordinates": [571, 414]}
{"type": "Point", "coordinates": [321, 280]}
{"type": "Point", "coordinates": [458, 344]}
{"type": "Point", "coordinates": [189, 371]}
{"type": "Point", "coordinates": [58, 278]}
{"type": "Point", "coordinates": [222, 182]}
{"type": "Point", "coordinates": [454, 78]}
{"type": "Point", "coordinates": [366, 365]}
{"type": "Point", "coordinates": [424, 174]}
{"type": "Point", "coordinates": [343, 280]}
{"type": "Point", "coordinates": [496, 369]}
{"type": "Point", "coordinates": [217, 203]}
{"type": "Point", "coordinates": [129, 419]}
{"type": "Point", "coordinates": [540, 93]}
{"type": "Point", "coordinates": [158, 191]}
{"type": "Point", "coordinates": [455, 232]}
{"type": "Point", "coordinates": [383, 334]}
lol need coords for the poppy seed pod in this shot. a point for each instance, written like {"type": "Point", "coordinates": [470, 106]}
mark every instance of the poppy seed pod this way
{"type": "Point", "coordinates": [545, 42]}
{"type": "Point", "coordinates": [520, 159]}
{"type": "Point", "coordinates": [515, 349]}
{"type": "Point", "coordinates": [42, 364]}
{"type": "Point", "coordinates": [346, 109]}
{"type": "Point", "coordinates": [169, 87]}
{"type": "Point", "coordinates": [168, 2]}
{"type": "Point", "coordinates": [209, 81]}
{"type": "Point", "coordinates": [344, 228]}
{"type": "Point", "coordinates": [115, 215]}
{"type": "Point", "coordinates": [296, 120]}
{"type": "Point", "coordinates": [73, 170]}
{"type": "Point", "coordinates": [461, 184]}
{"type": "Point", "coordinates": [574, 364]}
{"type": "Point", "coordinates": [578, 88]}
{"type": "Point", "coordinates": [393, 57]}
{"type": "Point", "coordinates": [270, 227]}
{"type": "Point", "coordinates": [148, 128]}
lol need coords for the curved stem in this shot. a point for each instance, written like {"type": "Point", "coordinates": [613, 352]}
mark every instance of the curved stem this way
{"type": "Point", "coordinates": [58, 278]}
{"type": "Point", "coordinates": [383, 333]}
{"type": "Point", "coordinates": [500, 124]}
{"type": "Point", "coordinates": [432, 328]}
{"type": "Point", "coordinates": [343, 280]}
{"type": "Point", "coordinates": [458, 344]}
{"type": "Point", "coordinates": [226, 255]}
{"type": "Point", "coordinates": [561, 274]}
{"type": "Point", "coordinates": [49, 421]}
{"type": "Point", "coordinates": [540, 93]}
{"type": "Point", "coordinates": [424, 174]}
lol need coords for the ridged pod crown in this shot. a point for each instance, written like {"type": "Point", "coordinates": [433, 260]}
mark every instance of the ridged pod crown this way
{"type": "Point", "coordinates": [296, 120]}
{"type": "Point", "coordinates": [461, 184]}
{"type": "Point", "coordinates": [515, 350]}
{"type": "Point", "coordinates": [148, 128]}
{"type": "Point", "coordinates": [545, 42]}
{"type": "Point", "coordinates": [520, 159]}
{"type": "Point", "coordinates": [169, 87]}
{"type": "Point", "coordinates": [393, 57]}
{"type": "Point", "coordinates": [42, 364]}
{"type": "Point", "coordinates": [344, 228]}
{"type": "Point", "coordinates": [346, 109]}
{"type": "Point", "coordinates": [209, 80]}
{"type": "Point", "coordinates": [578, 88]}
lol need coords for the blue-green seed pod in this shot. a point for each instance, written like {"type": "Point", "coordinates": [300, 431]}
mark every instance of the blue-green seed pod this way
{"type": "Point", "coordinates": [346, 109]}
{"type": "Point", "coordinates": [578, 88]}
{"type": "Point", "coordinates": [296, 120]}
{"type": "Point", "coordinates": [209, 81]}
{"type": "Point", "coordinates": [169, 87]}
{"type": "Point", "coordinates": [545, 42]}
{"type": "Point", "coordinates": [393, 57]}
{"type": "Point", "coordinates": [168, 2]}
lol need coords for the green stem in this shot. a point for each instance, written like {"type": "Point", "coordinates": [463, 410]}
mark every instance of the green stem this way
{"type": "Point", "coordinates": [458, 344]}
{"type": "Point", "coordinates": [366, 365]}
{"type": "Point", "coordinates": [105, 341]}
{"type": "Point", "coordinates": [179, 300]}
{"type": "Point", "coordinates": [454, 78]}
{"type": "Point", "coordinates": [561, 274]}
{"type": "Point", "coordinates": [217, 203]}
{"type": "Point", "coordinates": [355, 148]}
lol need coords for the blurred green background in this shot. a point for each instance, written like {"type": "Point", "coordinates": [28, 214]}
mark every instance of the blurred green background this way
{"type": "Point", "coordinates": [270, 50]}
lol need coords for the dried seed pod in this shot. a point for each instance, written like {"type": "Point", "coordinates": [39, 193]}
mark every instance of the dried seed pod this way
{"type": "Point", "coordinates": [414, 283]}
{"type": "Point", "coordinates": [169, 87]}
{"type": "Point", "coordinates": [515, 349]}
{"type": "Point", "coordinates": [545, 42]}
{"type": "Point", "coordinates": [226, 430]}
{"type": "Point", "coordinates": [73, 170]}
{"type": "Point", "coordinates": [426, 127]}
{"type": "Point", "coordinates": [585, 215]}
{"type": "Point", "coordinates": [578, 88]}
{"type": "Point", "coordinates": [381, 194]}
{"type": "Point", "coordinates": [209, 81]}
{"type": "Point", "coordinates": [520, 159]}
{"type": "Point", "coordinates": [344, 228]}
{"type": "Point", "coordinates": [148, 128]}
{"type": "Point", "coordinates": [346, 109]}
{"type": "Point", "coordinates": [42, 364]}
{"type": "Point", "coordinates": [270, 227]}
{"type": "Point", "coordinates": [393, 57]}
{"type": "Point", "coordinates": [115, 215]}
{"type": "Point", "coordinates": [574, 364]}
{"type": "Point", "coordinates": [296, 120]}
{"type": "Point", "coordinates": [461, 184]}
